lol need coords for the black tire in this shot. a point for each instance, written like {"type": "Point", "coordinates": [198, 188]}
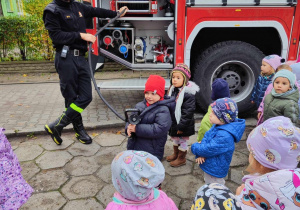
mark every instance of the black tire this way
{"type": "Point", "coordinates": [235, 61]}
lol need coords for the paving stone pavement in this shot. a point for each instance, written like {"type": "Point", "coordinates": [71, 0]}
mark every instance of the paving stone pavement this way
{"type": "Point", "coordinates": [26, 108]}
{"type": "Point", "coordinates": [74, 176]}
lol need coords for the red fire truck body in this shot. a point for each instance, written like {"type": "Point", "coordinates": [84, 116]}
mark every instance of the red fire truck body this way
{"type": "Point", "coordinates": [216, 39]}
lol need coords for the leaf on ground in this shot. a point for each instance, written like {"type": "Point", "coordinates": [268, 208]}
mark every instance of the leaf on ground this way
{"type": "Point", "coordinates": [24, 75]}
{"type": "Point", "coordinates": [95, 134]}
{"type": "Point", "coordinates": [20, 104]}
{"type": "Point", "coordinates": [119, 132]}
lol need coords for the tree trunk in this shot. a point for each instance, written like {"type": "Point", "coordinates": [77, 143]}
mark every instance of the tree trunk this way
{"type": "Point", "coordinates": [1, 11]}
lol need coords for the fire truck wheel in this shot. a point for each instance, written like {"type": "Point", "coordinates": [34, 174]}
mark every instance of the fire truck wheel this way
{"type": "Point", "coordinates": [236, 62]}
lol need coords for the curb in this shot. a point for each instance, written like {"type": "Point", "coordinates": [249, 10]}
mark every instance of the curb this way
{"type": "Point", "coordinates": [250, 122]}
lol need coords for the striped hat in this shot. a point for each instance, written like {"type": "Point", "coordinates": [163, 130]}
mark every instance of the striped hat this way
{"type": "Point", "coordinates": [184, 70]}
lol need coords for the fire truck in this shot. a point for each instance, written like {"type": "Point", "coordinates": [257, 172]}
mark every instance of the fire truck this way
{"type": "Point", "coordinates": [215, 38]}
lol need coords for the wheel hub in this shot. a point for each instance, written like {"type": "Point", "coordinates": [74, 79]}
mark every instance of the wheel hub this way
{"type": "Point", "coordinates": [232, 78]}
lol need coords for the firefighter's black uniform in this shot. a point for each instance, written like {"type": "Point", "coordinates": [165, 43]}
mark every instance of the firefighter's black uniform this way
{"type": "Point", "coordinates": [65, 21]}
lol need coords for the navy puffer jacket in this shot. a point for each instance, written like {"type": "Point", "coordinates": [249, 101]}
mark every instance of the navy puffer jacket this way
{"type": "Point", "coordinates": [152, 132]}
{"type": "Point", "coordinates": [260, 87]}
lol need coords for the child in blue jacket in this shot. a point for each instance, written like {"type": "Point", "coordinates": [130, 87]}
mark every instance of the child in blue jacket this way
{"type": "Point", "coordinates": [152, 132]}
{"type": "Point", "coordinates": [217, 146]}
{"type": "Point", "coordinates": [268, 68]}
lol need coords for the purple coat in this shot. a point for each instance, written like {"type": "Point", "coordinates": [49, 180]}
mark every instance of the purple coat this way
{"type": "Point", "coordinates": [14, 190]}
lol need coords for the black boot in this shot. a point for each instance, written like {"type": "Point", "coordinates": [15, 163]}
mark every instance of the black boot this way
{"type": "Point", "coordinates": [55, 128]}
{"type": "Point", "coordinates": [80, 132]}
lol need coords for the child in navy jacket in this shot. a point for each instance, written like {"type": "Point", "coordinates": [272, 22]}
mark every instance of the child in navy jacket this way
{"type": "Point", "coordinates": [152, 132]}
{"type": "Point", "coordinates": [268, 67]}
{"type": "Point", "coordinates": [217, 146]}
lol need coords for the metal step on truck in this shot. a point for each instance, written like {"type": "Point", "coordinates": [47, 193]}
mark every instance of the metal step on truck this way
{"type": "Point", "coordinates": [215, 38]}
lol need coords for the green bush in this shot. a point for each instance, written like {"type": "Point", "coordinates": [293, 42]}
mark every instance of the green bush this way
{"type": "Point", "coordinates": [24, 37]}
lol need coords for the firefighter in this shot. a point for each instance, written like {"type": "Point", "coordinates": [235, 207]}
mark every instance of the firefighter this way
{"type": "Point", "coordinates": [65, 22]}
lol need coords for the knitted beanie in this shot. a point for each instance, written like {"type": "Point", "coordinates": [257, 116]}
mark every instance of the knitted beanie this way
{"type": "Point", "coordinates": [219, 89]}
{"type": "Point", "coordinates": [274, 60]}
{"type": "Point", "coordinates": [156, 84]}
{"type": "Point", "coordinates": [184, 70]}
{"type": "Point", "coordinates": [225, 109]}
{"type": "Point", "coordinates": [275, 143]}
{"type": "Point", "coordinates": [286, 74]}
{"type": "Point", "coordinates": [136, 173]}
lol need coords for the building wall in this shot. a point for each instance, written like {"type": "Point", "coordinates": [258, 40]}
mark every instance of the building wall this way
{"type": "Point", "coordinates": [10, 7]}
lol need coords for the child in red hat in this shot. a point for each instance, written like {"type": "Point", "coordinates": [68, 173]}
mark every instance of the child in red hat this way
{"type": "Point", "coordinates": [152, 132]}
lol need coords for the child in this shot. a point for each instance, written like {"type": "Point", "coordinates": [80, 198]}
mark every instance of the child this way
{"type": "Point", "coordinates": [183, 122]}
{"type": "Point", "coordinates": [135, 175]}
{"type": "Point", "coordinates": [14, 191]}
{"type": "Point", "coordinates": [283, 99]}
{"type": "Point", "coordinates": [274, 145]}
{"type": "Point", "coordinates": [268, 67]}
{"type": "Point", "coordinates": [260, 109]}
{"type": "Point", "coordinates": [215, 196]}
{"type": "Point", "coordinates": [152, 132]}
{"type": "Point", "coordinates": [217, 146]}
{"type": "Point", "coordinates": [274, 180]}
{"type": "Point", "coordinates": [219, 89]}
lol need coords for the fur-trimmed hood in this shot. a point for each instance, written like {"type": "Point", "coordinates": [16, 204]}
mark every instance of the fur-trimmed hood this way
{"type": "Point", "coordinates": [192, 88]}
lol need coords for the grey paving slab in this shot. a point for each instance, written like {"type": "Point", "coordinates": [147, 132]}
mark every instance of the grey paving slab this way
{"type": "Point", "coordinates": [239, 159]}
{"type": "Point", "coordinates": [29, 169]}
{"type": "Point", "coordinates": [104, 173]}
{"type": "Point", "coordinates": [110, 139]}
{"type": "Point", "coordinates": [48, 143]}
{"type": "Point", "coordinates": [80, 166]}
{"type": "Point", "coordinates": [184, 186]}
{"type": "Point", "coordinates": [53, 159]}
{"type": "Point", "coordinates": [106, 154]}
{"type": "Point", "coordinates": [79, 149]}
{"type": "Point", "coordinates": [106, 194]}
{"type": "Point", "coordinates": [45, 201]}
{"type": "Point", "coordinates": [82, 187]}
{"type": "Point", "coordinates": [185, 169]}
{"type": "Point", "coordinates": [28, 153]}
{"type": "Point", "coordinates": [44, 181]}
{"type": "Point", "coordinates": [89, 204]}
{"type": "Point", "coordinates": [236, 174]}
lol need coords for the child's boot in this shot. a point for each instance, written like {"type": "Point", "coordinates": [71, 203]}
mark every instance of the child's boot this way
{"type": "Point", "coordinates": [181, 160]}
{"type": "Point", "coordinates": [174, 155]}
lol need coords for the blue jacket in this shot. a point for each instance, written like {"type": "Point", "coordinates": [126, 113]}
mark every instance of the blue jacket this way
{"type": "Point", "coordinates": [152, 132]}
{"type": "Point", "coordinates": [217, 147]}
{"type": "Point", "coordinates": [260, 87]}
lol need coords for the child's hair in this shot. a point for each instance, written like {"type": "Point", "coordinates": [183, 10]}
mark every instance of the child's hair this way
{"type": "Point", "coordinates": [184, 70]}
{"type": "Point", "coordinates": [136, 173]}
{"type": "Point", "coordinates": [225, 109]}
{"type": "Point", "coordinates": [286, 74]}
{"type": "Point", "coordinates": [274, 145]}
{"type": "Point", "coordinates": [219, 89]}
{"type": "Point", "coordinates": [256, 167]}
{"type": "Point", "coordinates": [156, 84]}
{"type": "Point", "coordinates": [274, 61]}
{"type": "Point", "coordinates": [284, 66]}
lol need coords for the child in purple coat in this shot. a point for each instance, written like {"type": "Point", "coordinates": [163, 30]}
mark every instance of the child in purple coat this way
{"type": "Point", "coordinates": [14, 191]}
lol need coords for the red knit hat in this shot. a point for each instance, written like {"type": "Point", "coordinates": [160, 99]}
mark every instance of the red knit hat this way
{"type": "Point", "coordinates": [156, 84]}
